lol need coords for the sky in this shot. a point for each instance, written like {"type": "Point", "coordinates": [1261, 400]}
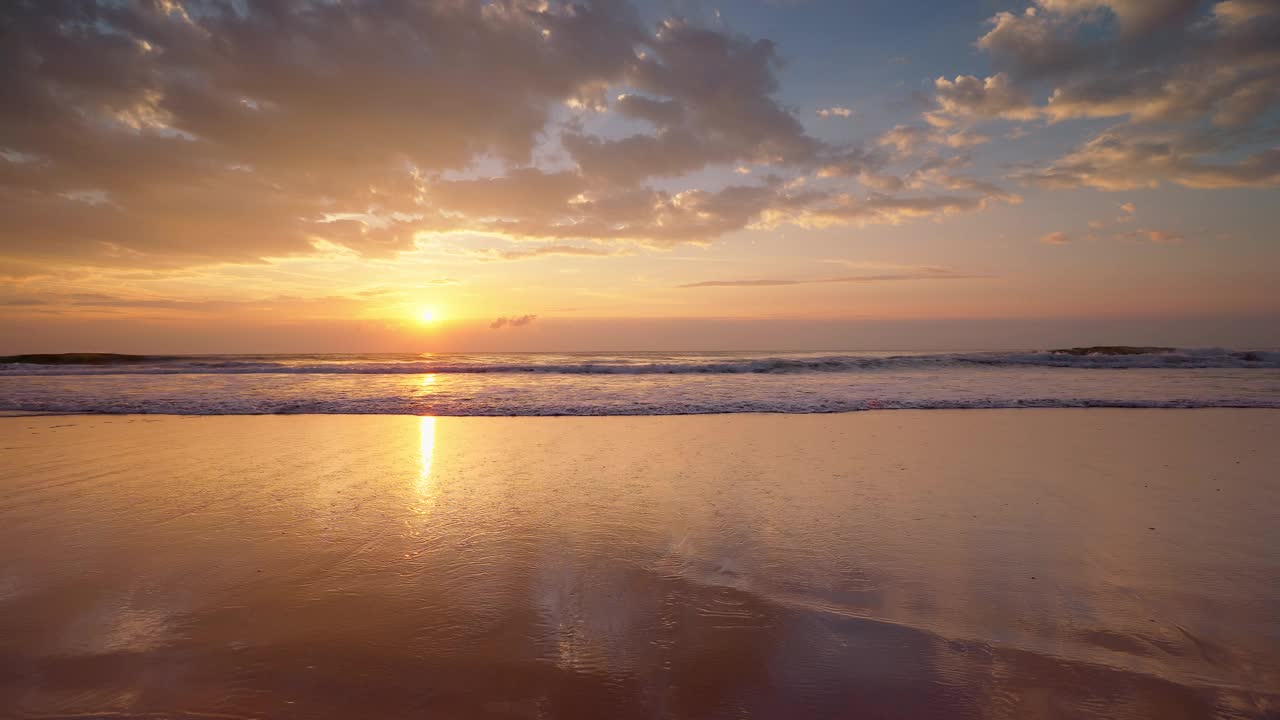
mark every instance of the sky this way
{"type": "Point", "coordinates": [207, 176]}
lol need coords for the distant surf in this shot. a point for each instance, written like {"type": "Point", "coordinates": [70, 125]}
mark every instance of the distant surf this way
{"type": "Point", "coordinates": [1109, 357]}
{"type": "Point", "coordinates": [639, 383]}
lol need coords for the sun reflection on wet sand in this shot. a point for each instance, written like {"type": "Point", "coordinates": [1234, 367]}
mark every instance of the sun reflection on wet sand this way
{"type": "Point", "coordinates": [427, 491]}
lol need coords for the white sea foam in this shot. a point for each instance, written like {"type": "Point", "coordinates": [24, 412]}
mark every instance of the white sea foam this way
{"type": "Point", "coordinates": [647, 363]}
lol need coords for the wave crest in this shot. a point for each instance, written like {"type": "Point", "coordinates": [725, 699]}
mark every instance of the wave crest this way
{"type": "Point", "coordinates": [648, 365]}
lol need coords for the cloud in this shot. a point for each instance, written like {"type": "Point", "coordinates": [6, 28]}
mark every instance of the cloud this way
{"type": "Point", "coordinates": [848, 209]}
{"type": "Point", "coordinates": [1133, 15]}
{"type": "Point", "coordinates": [660, 113]}
{"type": "Point", "coordinates": [906, 140]}
{"type": "Point", "coordinates": [381, 291]}
{"type": "Point", "coordinates": [653, 217]}
{"type": "Point", "coordinates": [887, 205]}
{"type": "Point", "coordinates": [836, 111]}
{"type": "Point", "coordinates": [1141, 60]}
{"type": "Point", "coordinates": [743, 283]}
{"type": "Point", "coordinates": [851, 162]}
{"type": "Point", "coordinates": [923, 177]}
{"type": "Point", "coordinates": [543, 251]}
{"type": "Point", "coordinates": [1158, 237]}
{"type": "Point", "coordinates": [709, 95]}
{"type": "Point", "coordinates": [927, 274]}
{"type": "Point", "coordinates": [513, 321]}
{"type": "Point", "coordinates": [175, 134]}
{"type": "Point", "coordinates": [50, 302]}
{"type": "Point", "coordinates": [965, 139]}
{"type": "Point", "coordinates": [630, 160]}
{"type": "Point", "coordinates": [1239, 12]}
{"type": "Point", "coordinates": [1031, 43]}
{"type": "Point", "coordinates": [910, 140]}
{"type": "Point", "coordinates": [526, 193]}
{"type": "Point", "coordinates": [226, 132]}
{"type": "Point", "coordinates": [1126, 158]}
{"type": "Point", "coordinates": [662, 219]}
{"type": "Point", "coordinates": [993, 97]}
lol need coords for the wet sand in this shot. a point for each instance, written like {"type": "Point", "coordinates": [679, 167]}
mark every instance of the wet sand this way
{"type": "Point", "coordinates": [904, 564]}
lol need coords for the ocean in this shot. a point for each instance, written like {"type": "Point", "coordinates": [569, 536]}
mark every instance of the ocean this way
{"type": "Point", "coordinates": [642, 383]}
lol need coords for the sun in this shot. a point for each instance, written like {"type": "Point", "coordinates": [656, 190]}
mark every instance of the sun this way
{"type": "Point", "coordinates": [428, 315]}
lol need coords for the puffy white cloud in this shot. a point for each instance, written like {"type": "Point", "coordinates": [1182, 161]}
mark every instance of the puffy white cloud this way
{"type": "Point", "coordinates": [994, 97]}
{"type": "Point", "coordinates": [1031, 43]}
{"type": "Point", "coordinates": [1163, 62]}
{"type": "Point", "coordinates": [836, 111]}
{"type": "Point", "coordinates": [1144, 62]}
{"type": "Point", "coordinates": [709, 94]}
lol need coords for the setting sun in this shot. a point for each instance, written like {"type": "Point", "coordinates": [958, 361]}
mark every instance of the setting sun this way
{"type": "Point", "coordinates": [428, 315]}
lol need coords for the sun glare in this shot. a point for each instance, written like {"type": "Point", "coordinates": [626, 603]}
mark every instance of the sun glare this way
{"type": "Point", "coordinates": [428, 315]}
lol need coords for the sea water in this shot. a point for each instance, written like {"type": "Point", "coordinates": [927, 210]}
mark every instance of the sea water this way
{"type": "Point", "coordinates": [643, 383]}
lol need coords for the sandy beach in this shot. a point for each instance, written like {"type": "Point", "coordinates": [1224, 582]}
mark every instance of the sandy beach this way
{"type": "Point", "coordinates": [958, 564]}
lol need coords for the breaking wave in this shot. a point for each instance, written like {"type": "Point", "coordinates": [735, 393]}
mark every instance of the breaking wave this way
{"type": "Point", "coordinates": [413, 406]}
{"type": "Point", "coordinates": [639, 364]}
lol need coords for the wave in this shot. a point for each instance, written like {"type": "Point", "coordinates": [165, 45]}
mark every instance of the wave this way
{"type": "Point", "coordinates": [644, 364]}
{"type": "Point", "coordinates": [407, 406]}
{"type": "Point", "coordinates": [73, 359]}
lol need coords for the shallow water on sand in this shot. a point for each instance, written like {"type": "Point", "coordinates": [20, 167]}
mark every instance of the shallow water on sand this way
{"type": "Point", "coordinates": [994, 564]}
